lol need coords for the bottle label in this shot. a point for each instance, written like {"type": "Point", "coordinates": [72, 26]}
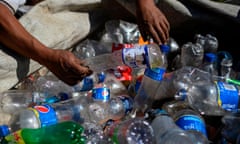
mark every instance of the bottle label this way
{"type": "Point", "coordinates": [191, 122]}
{"type": "Point", "coordinates": [101, 94]}
{"type": "Point", "coordinates": [228, 96]}
{"type": "Point", "coordinates": [15, 137]}
{"type": "Point", "coordinates": [134, 56]}
{"type": "Point", "coordinates": [45, 114]}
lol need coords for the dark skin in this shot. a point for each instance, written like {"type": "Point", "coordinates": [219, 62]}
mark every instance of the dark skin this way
{"type": "Point", "coordinates": [62, 63]}
{"type": "Point", "coordinates": [152, 22]}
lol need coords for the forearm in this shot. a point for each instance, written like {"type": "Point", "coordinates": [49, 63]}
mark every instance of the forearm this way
{"type": "Point", "coordinates": [14, 36]}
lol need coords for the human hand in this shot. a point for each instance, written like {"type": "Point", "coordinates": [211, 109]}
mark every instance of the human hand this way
{"type": "Point", "coordinates": [66, 66]}
{"type": "Point", "coordinates": [152, 22]}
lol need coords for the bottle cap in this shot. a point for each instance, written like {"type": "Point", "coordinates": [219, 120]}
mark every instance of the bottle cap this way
{"type": "Point", "coordinates": [4, 130]}
{"type": "Point", "coordinates": [210, 57]}
{"type": "Point", "coordinates": [101, 77]}
{"type": "Point", "coordinates": [164, 48]}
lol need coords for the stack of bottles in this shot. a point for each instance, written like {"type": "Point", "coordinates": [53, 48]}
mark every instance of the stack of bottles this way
{"type": "Point", "coordinates": [140, 93]}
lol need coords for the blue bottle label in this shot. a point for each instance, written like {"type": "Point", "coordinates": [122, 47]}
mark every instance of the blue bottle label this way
{"type": "Point", "coordinates": [155, 74]}
{"type": "Point", "coordinates": [127, 103]}
{"type": "Point", "coordinates": [46, 114]}
{"type": "Point", "coordinates": [191, 122]}
{"type": "Point", "coordinates": [101, 94]}
{"type": "Point", "coordinates": [134, 56]}
{"type": "Point", "coordinates": [228, 97]}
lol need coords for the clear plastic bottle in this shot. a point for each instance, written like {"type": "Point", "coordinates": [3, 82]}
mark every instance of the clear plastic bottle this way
{"type": "Point", "coordinates": [90, 48]}
{"type": "Point", "coordinates": [130, 131]}
{"type": "Point", "coordinates": [102, 107]}
{"type": "Point", "coordinates": [149, 84]}
{"type": "Point", "coordinates": [48, 114]}
{"type": "Point", "coordinates": [191, 54]}
{"type": "Point", "coordinates": [209, 42]}
{"type": "Point", "coordinates": [167, 132]}
{"type": "Point", "coordinates": [213, 98]}
{"type": "Point", "coordinates": [49, 85]}
{"type": "Point", "coordinates": [89, 82]}
{"type": "Point", "coordinates": [15, 100]}
{"type": "Point", "coordinates": [193, 122]}
{"type": "Point", "coordinates": [231, 127]}
{"type": "Point", "coordinates": [12, 101]}
{"type": "Point", "coordinates": [226, 68]}
{"type": "Point", "coordinates": [135, 57]}
{"type": "Point", "coordinates": [210, 63]}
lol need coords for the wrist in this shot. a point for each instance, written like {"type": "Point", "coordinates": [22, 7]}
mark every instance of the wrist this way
{"type": "Point", "coordinates": [43, 54]}
{"type": "Point", "coordinates": [145, 2]}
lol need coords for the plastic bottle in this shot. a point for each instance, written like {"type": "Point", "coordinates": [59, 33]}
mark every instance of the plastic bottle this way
{"type": "Point", "coordinates": [231, 127]}
{"type": "Point", "coordinates": [167, 132]}
{"type": "Point", "coordinates": [102, 107]}
{"type": "Point", "coordinates": [12, 101]}
{"type": "Point", "coordinates": [48, 114]}
{"type": "Point", "coordinates": [191, 54]}
{"type": "Point", "coordinates": [209, 42]}
{"type": "Point", "coordinates": [213, 98]}
{"type": "Point", "coordinates": [130, 131]}
{"type": "Point", "coordinates": [210, 63]}
{"type": "Point", "coordinates": [89, 82]}
{"type": "Point", "coordinates": [49, 85]}
{"type": "Point", "coordinates": [149, 84]}
{"type": "Point", "coordinates": [15, 100]}
{"type": "Point", "coordinates": [193, 122]}
{"type": "Point", "coordinates": [226, 68]}
{"type": "Point", "coordinates": [113, 83]}
{"type": "Point", "coordinates": [90, 48]}
{"type": "Point", "coordinates": [180, 79]}
{"type": "Point", "coordinates": [61, 133]}
{"type": "Point", "coordinates": [134, 57]}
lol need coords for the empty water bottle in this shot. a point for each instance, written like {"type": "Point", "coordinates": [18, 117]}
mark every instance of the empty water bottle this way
{"type": "Point", "coordinates": [210, 63]}
{"type": "Point", "coordinates": [231, 127]}
{"type": "Point", "coordinates": [48, 114]}
{"type": "Point", "coordinates": [211, 98]}
{"type": "Point", "coordinates": [149, 84]}
{"type": "Point", "coordinates": [167, 132]}
{"type": "Point", "coordinates": [191, 54]}
{"type": "Point", "coordinates": [138, 56]}
{"type": "Point", "coordinates": [209, 42]}
{"type": "Point", "coordinates": [130, 131]}
{"type": "Point", "coordinates": [102, 107]}
{"type": "Point", "coordinates": [193, 122]}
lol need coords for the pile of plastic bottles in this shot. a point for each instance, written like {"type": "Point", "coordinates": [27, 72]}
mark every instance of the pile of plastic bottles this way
{"type": "Point", "coordinates": [139, 93]}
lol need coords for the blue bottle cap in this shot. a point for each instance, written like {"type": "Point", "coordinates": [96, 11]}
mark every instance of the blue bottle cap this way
{"type": "Point", "coordinates": [63, 96]}
{"type": "Point", "coordinates": [164, 48]}
{"type": "Point", "coordinates": [210, 57]}
{"type": "Point", "coordinates": [4, 130]}
{"type": "Point", "coordinates": [101, 94]}
{"type": "Point", "coordinates": [101, 77]}
{"type": "Point", "coordinates": [155, 74]}
{"type": "Point", "coordinates": [52, 99]}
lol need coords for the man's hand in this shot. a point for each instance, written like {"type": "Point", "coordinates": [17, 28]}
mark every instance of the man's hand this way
{"type": "Point", "coordinates": [152, 22]}
{"type": "Point", "coordinates": [67, 67]}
